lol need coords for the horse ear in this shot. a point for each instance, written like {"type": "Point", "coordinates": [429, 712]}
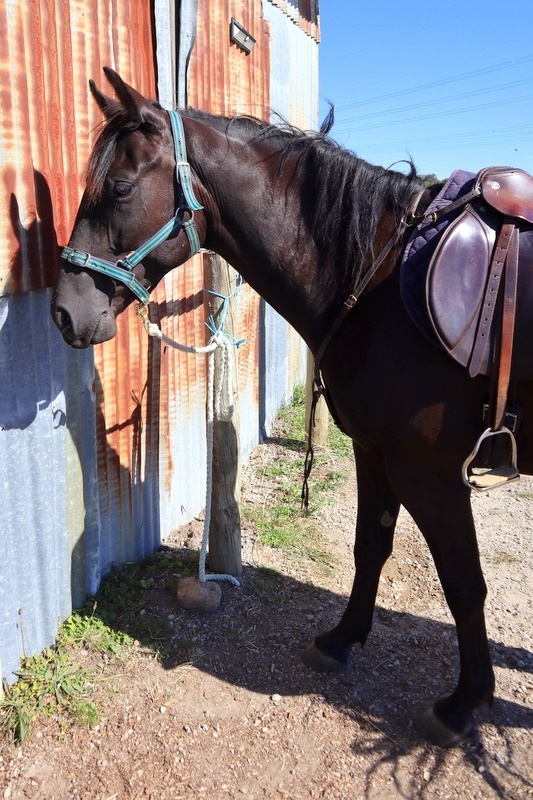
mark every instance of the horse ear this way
{"type": "Point", "coordinates": [138, 108]}
{"type": "Point", "coordinates": [106, 104]}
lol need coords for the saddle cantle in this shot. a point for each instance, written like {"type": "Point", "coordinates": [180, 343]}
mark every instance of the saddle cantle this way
{"type": "Point", "coordinates": [509, 191]}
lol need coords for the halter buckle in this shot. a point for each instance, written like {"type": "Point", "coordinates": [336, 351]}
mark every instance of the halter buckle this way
{"type": "Point", "coordinates": [78, 257]}
{"type": "Point", "coordinates": [350, 301]}
{"type": "Point", "coordinates": [125, 263]}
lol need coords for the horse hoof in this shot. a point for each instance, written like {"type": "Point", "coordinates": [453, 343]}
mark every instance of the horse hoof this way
{"type": "Point", "coordinates": [319, 661]}
{"type": "Point", "coordinates": [434, 731]}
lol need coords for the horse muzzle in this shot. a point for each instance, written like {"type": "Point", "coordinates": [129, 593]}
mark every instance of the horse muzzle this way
{"type": "Point", "coordinates": [79, 324]}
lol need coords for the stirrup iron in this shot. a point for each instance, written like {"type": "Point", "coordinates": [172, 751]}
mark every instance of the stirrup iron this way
{"type": "Point", "coordinates": [481, 479]}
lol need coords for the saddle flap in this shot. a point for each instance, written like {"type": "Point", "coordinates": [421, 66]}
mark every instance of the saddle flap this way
{"type": "Point", "coordinates": [456, 281]}
{"type": "Point", "coordinates": [508, 190]}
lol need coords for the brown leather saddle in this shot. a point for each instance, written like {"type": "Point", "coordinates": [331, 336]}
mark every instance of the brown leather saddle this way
{"type": "Point", "coordinates": [479, 296]}
{"type": "Point", "coordinates": [478, 252]}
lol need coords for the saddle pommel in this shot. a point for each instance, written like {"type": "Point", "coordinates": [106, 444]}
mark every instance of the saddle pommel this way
{"type": "Point", "coordinates": [508, 190]}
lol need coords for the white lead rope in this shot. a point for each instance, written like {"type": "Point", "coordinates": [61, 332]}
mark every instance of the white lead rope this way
{"type": "Point", "coordinates": [219, 404]}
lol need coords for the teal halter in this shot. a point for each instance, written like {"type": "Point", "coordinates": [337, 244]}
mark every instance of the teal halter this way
{"type": "Point", "coordinates": [122, 270]}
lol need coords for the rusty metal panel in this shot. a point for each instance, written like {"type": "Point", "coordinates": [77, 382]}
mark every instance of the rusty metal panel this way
{"type": "Point", "coordinates": [223, 78]}
{"type": "Point", "coordinates": [127, 438]}
{"type": "Point", "coordinates": [48, 51]}
{"type": "Point", "coordinates": [122, 426]}
{"type": "Point", "coordinates": [79, 440]}
{"type": "Point", "coordinates": [179, 311]}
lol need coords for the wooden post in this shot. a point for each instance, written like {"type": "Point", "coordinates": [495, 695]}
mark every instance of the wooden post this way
{"type": "Point", "coordinates": [320, 428]}
{"type": "Point", "coordinates": [225, 526]}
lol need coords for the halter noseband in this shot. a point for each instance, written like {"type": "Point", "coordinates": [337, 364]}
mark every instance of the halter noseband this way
{"type": "Point", "coordinates": [122, 270]}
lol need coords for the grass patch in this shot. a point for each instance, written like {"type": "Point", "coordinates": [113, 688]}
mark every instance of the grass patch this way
{"type": "Point", "coordinates": [48, 683]}
{"type": "Point", "coordinates": [280, 521]}
{"type": "Point", "coordinates": [109, 624]}
{"type": "Point", "coordinates": [504, 557]}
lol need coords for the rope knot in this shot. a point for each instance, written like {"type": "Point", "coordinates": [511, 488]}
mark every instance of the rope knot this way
{"type": "Point", "coordinates": [152, 329]}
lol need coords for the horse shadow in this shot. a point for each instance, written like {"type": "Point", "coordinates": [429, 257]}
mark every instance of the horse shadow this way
{"type": "Point", "coordinates": [255, 639]}
{"type": "Point", "coordinates": [52, 395]}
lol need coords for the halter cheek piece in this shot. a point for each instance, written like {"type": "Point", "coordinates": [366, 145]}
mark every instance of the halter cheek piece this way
{"type": "Point", "coordinates": [122, 270]}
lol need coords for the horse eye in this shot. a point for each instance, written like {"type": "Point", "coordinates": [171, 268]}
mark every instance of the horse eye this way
{"type": "Point", "coordinates": [123, 189]}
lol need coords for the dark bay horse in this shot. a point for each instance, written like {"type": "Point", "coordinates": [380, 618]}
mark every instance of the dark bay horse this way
{"type": "Point", "coordinates": [301, 219]}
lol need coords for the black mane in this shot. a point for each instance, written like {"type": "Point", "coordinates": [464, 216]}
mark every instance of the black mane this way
{"type": "Point", "coordinates": [344, 197]}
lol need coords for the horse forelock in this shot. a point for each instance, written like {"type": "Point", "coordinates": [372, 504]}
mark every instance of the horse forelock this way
{"type": "Point", "coordinates": [104, 150]}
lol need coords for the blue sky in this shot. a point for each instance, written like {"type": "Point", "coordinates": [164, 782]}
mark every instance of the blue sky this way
{"type": "Point", "coordinates": [448, 83]}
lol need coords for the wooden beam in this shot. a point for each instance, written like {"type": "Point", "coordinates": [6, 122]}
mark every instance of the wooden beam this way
{"type": "Point", "coordinates": [320, 428]}
{"type": "Point", "coordinates": [224, 554]}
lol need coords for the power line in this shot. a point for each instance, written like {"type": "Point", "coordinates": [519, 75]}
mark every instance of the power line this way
{"type": "Point", "coordinates": [450, 112]}
{"type": "Point", "coordinates": [440, 82]}
{"type": "Point", "coordinates": [514, 132]}
{"type": "Point", "coordinates": [440, 100]}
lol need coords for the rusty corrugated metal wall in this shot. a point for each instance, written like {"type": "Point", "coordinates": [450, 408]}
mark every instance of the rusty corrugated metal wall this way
{"type": "Point", "coordinates": [102, 452]}
{"type": "Point", "coordinates": [75, 492]}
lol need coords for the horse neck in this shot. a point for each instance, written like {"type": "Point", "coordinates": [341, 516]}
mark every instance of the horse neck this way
{"type": "Point", "coordinates": [255, 221]}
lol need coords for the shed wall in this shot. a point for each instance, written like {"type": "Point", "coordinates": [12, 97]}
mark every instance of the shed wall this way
{"type": "Point", "coordinates": [102, 452]}
{"type": "Point", "coordinates": [69, 432]}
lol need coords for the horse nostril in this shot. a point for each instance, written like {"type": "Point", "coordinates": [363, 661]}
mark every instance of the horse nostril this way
{"type": "Point", "coordinates": [63, 320]}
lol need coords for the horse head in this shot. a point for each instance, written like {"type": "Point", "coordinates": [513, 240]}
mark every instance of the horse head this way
{"type": "Point", "coordinates": [134, 223]}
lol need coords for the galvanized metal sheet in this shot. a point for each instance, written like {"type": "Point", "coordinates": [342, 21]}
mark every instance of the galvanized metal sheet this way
{"type": "Point", "coordinates": [42, 405]}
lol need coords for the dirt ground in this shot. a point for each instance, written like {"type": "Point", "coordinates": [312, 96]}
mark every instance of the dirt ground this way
{"type": "Point", "coordinates": [243, 718]}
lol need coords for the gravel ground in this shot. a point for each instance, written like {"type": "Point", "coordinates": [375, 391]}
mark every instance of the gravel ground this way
{"type": "Point", "coordinates": [242, 717]}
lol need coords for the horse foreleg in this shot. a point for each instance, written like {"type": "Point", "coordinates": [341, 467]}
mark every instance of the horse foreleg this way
{"type": "Point", "coordinates": [444, 516]}
{"type": "Point", "coordinates": [377, 511]}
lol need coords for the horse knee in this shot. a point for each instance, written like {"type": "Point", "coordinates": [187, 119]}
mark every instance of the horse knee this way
{"type": "Point", "coordinates": [466, 602]}
{"type": "Point", "coordinates": [375, 546]}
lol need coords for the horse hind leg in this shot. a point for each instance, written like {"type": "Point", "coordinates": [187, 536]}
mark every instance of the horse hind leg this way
{"type": "Point", "coordinates": [443, 513]}
{"type": "Point", "coordinates": [377, 511]}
